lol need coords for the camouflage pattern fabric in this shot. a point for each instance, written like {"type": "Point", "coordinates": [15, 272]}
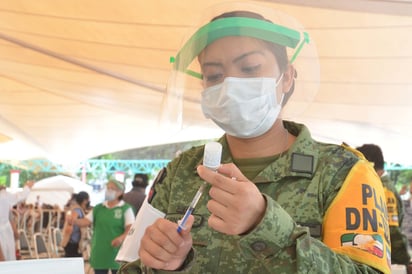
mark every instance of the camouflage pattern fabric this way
{"type": "Point", "coordinates": [399, 241]}
{"type": "Point", "coordinates": [299, 186]}
{"type": "Point", "coordinates": [407, 221]}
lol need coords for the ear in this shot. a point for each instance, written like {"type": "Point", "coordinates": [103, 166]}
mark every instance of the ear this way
{"type": "Point", "coordinates": [288, 78]}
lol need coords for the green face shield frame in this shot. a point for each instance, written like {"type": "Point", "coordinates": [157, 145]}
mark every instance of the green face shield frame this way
{"type": "Point", "coordinates": [236, 26]}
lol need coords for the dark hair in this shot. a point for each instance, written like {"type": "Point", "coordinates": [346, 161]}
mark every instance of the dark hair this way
{"type": "Point", "coordinates": [140, 180]}
{"type": "Point", "coordinates": [373, 153]}
{"type": "Point", "coordinates": [81, 196]}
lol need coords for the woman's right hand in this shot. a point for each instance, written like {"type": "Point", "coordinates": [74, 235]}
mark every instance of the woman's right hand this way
{"type": "Point", "coordinates": [162, 247]}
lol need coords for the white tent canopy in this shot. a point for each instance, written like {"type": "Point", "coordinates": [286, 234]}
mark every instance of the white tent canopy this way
{"type": "Point", "coordinates": [83, 78]}
{"type": "Point", "coordinates": [56, 190]}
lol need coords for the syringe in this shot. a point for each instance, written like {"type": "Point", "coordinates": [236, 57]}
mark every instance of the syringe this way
{"type": "Point", "coordinates": [192, 206]}
{"type": "Point", "coordinates": [211, 159]}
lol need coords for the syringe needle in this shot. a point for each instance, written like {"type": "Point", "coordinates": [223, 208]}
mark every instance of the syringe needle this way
{"type": "Point", "coordinates": [182, 223]}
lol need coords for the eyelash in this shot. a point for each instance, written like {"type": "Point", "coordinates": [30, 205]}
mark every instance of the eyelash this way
{"type": "Point", "coordinates": [251, 69]}
{"type": "Point", "coordinates": [214, 78]}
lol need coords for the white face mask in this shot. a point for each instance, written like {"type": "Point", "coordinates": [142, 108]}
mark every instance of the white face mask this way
{"type": "Point", "coordinates": [243, 107]}
{"type": "Point", "coordinates": [110, 195]}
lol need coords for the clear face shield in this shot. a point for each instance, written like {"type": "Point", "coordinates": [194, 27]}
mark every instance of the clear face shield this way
{"type": "Point", "coordinates": [182, 102]}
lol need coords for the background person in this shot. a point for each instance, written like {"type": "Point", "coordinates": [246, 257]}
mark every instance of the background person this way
{"type": "Point", "coordinates": [407, 221]}
{"type": "Point", "coordinates": [399, 242]}
{"type": "Point", "coordinates": [137, 194]}
{"type": "Point", "coordinates": [38, 203]}
{"type": "Point", "coordinates": [281, 202]}
{"type": "Point", "coordinates": [110, 221]}
{"type": "Point", "coordinates": [73, 234]}
{"type": "Point", "coordinates": [14, 226]}
{"type": "Point", "coordinates": [7, 201]}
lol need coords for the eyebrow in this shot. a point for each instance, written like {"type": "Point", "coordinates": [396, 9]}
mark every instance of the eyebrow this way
{"type": "Point", "coordinates": [237, 59]}
{"type": "Point", "coordinates": [211, 64]}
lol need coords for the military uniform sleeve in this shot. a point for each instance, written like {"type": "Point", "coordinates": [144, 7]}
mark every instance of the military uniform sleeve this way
{"type": "Point", "coordinates": [137, 268]}
{"type": "Point", "coordinates": [399, 241]}
{"type": "Point", "coordinates": [158, 198]}
{"type": "Point", "coordinates": [292, 249]}
{"type": "Point", "coordinates": [399, 244]}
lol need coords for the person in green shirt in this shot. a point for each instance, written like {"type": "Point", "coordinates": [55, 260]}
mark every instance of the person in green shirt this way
{"type": "Point", "coordinates": [110, 222]}
{"type": "Point", "coordinates": [280, 202]}
{"type": "Point", "coordinates": [399, 241]}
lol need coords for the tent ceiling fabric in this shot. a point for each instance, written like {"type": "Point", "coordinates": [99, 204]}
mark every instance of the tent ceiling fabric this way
{"type": "Point", "coordinates": [83, 78]}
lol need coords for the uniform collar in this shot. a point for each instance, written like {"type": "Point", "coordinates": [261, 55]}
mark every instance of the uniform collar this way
{"type": "Point", "coordinates": [300, 160]}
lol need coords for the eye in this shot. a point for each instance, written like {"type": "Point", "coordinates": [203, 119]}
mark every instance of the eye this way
{"type": "Point", "coordinates": [251, 69]}
{"type": "Point", "coordinates": [212, 78]}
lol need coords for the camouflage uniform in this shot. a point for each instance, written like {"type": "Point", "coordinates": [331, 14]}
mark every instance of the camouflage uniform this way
{"type": "Point", "coordinates": [407, 221]}
{"type": "Point", "coordinates": [299, 186]}
{"type": "Point", "coordinates": [399, 242]}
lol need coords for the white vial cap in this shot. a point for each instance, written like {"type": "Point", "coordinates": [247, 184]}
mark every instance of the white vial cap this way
{"type": "Point", "coordinates": [212, 155]}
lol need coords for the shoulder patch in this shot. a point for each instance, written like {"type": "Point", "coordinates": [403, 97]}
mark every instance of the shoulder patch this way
{"type": "Point", "coordinates": [356, 223]}
{"type": "Point", "coordinates": [302, 163]}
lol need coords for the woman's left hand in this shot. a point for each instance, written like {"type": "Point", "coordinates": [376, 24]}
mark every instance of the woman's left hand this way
{"type": "Point", "coordinates": [116, 242]}
{"type": "Point", "coordinates": [236, 204]}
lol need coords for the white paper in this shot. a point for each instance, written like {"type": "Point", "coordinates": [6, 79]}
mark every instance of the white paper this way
{"type": "Point", "coordinates": [41, 266]}
{"type": "Point", "coordinates": [146, 216]}
{"type": "Point", "coordinates": [398, 269]}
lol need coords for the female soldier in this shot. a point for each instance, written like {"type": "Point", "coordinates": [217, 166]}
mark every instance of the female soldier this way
{"type": "Point", "coordinates": [280, 202]}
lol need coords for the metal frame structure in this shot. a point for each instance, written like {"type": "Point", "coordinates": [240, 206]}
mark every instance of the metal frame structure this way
{"type": "Point", "coordinates": [113, 166]}
{"type": "Point", "coordinates": [91, 166]}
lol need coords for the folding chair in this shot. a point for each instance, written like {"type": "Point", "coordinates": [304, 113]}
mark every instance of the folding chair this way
{"type": "Point", "coordinates": [40, 247]}
{"type": "Point", "coordinates": [57, 240]}
{"type": "Point", "coordinates": [16, 217]}
{"type": "Point", "coordinates": [24, 246]}
{"type": "Point", "coordinates": [47, 217]}
{"type": "Point", "coordinates": [50, 240]}
{"type": "Point", "coordinates": [34, 222]}
{"type": "Point", "coordinates": [25, 219]}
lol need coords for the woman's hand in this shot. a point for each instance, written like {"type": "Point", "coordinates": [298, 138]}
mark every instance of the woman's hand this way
{"type": "Point", "coordinates": [116, 242]}
{"type": "Point", "coordinates": [236, 204]}
{"type": "Point", "coordinates": [162, 247]}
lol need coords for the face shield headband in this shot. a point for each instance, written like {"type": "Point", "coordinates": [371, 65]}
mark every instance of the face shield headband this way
{"type": "Point", "coordinates": [236, 26]}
